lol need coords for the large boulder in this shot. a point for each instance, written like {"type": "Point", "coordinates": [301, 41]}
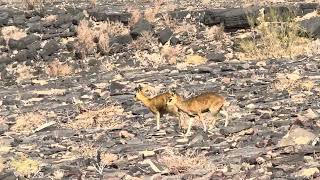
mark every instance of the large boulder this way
{"type": "Point", "coordinates": [141, 26]}
{"type": "Point", "coordinates": [311, 26]}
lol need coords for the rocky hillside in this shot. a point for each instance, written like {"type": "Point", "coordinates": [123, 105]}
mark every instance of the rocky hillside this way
{"type": "Point", "coordinates": [69, 72]}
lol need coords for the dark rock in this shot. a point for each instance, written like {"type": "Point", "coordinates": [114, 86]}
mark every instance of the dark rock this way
{"type": "Point", "coordinates": [19, 20]}
{"type": "Point", "coordinates": [164, 35]}
{"type": "Point", "coordinates": [139, 27]}
{"type": "Point", "coordinates": [3, 42]}
{"type": "Point", "coordinates": [106, 15]}
{"type": "Point", "coordinates": [34, 19]}
{"type": "Point", "coordinates": [174, 40]}
{"type": "Point", "coordinates": [21, 56]}
{"type": "Point", "coordinates": [116, 88]}
{"type": "Point", "coordinates": [305, 8]}
{"type": "Point", "coordinates": [4, 18]}
{"type": "Point", "coordinates": [77, 18]}
{"type": "Point", "coordinates": [62, 19]}
{"type": "Point", "coordinates": [8, 176]}
{"type": "Point", "coordinates": [238, 18]}
{"type": "Point", "coordinates": [216, 57]}
{"type": "Point", "coordinates": [10, 100]}
{"type": "Point", "coordinates": [70, 45]}
{"type": "Point", "coordinates": [3, 128]}
{"type": "Point", "coordinates": [311, 26]}
{"type": "Point", "coordinates": [5, 60]}
{"type": "Point", "coordinates": [36, 28]}
{"type": "Point", "coordinates": [213, 17]}
{"type": "Point", "coordinates": [17, 44]}
{"type": "Point", "coordinates": [30, 39]}
{"type": "Point", "coordinates": [34, 46]}
{"type": "Point", "coordinates": [227, 68]}
{"type": "Point", "coordinates": [234, 129]}
{"type": "Point", "coordinates": [51, 47]}
{"type": "Point", "coordinates": [94, 62]}
{"type": "Point", "coordinates": [122, 39]}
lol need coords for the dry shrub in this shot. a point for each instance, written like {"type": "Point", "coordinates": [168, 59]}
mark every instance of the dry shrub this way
{"type": "Point", "coordinates": [85, 34]}
{"type": "Point", "coordinates": [25, 166]}
{"type": "Point", "coordinates": [185, 26]}
{"type": "Point", "coordinates": [107, 66]}
{"type": "Point", "coordinates": [85, 150]}
{"type": "Point", "coordinates": [23, 72]}
{"type": "Point", "coordinates": [292, 82]}
{"type": "Point", "coordinates": [101, 31]}
{"type": "Point", "coordinates": [27, 122]}
{"type": "Point", "coordinates": [150, 13]}
{"type": "Point", "coordinates": [149, 59]}
{"type": "Point", "coordinates": [195, 59]}
{"type": "Point", "coordinates": [109, 29]}
{"type": "Point", "coordinates": [108, 158]}
{"type": "Point", "coordinates": [183, 163]}
{"type": "Point", "coordinates": [215, 33]}
{"type": "Point", "coordinates": [279, 38]}
{"type": "Point", "coordinates": [109, 117]}
{"type": "Point", "coordinates": [92, 3]}
{"type": "Point", "coordinates": [58, 174]}
{"type": "Point", "coordinates": [12, 32]}
{"type": "Point", "coordinates": [33, 4]}
{"type": "Point", "coordinates": [56, 68]}
{"type": "Point", "coordinates": [171, 54]}
{"type": "Point", "coordinates": [145, 42]}
{"type": "Point", "coordinates": [135, 15]}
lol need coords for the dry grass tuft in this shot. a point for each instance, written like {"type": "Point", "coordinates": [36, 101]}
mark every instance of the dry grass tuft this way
{"type": "Point", "coordinates": [25, 166]}
{"type": "Point", "coordinates": [85, 150]}
{"type": "Point", "coordinates": [135, 15]}
{"type": "Point", "coordinates": [108, 158]}
{"type": "Point", "coordinates": [23, 72]}
{"type": "Point", "coordinates": [145, 42]}
{"type": "Point", "coordinates": [33, 4]}
{"type": "Point", "coordinates": [215, 33]}
{"type": "Point", "coordinates": [292, 82]}
{"type": "Point", "coordinates": [100, 31]}
{"type": "Point", "coordinates": [171, 54]}
{"type": "Point", "coordinates": [26, 123]}
{"type": "Point", "coordinates": [149, 59]}
{"type": "Point", "coordinates": [279, 38]}
{"type": "Point", "coordinates": [92, 3]}
{"type": "Point", "coordinates": [107, 66]}
{"type": "Point", "coordinates": [56, 68]}
{"type": "Point", "coordinates": [106, 30]}
{"type": "Point", "coordinates": [85, 34]}
{"type": "Point", "coordinates": [109, 117]}
{"type": "Point", "coordinates": [150, 13]}
{"type": "Point", "coordinates": [12, 32]}
{"type": "Point", "coordinates": [195, 59]}
{"type": "Point", "coordinates": [178, 163]}
{"type": "Point", "coordinates": [58, 174]}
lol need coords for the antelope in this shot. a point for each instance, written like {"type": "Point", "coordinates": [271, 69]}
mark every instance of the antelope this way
{"type": "Point", "coordinates": [158, 105]}
{"type": "Point", "coordinates": [197, 105]}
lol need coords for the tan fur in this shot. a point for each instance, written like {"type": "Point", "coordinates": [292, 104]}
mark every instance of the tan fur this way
{"type": "Point", "coordinates": [197, 105]}
{"type": "Point", "coordinates": [158, 104]}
